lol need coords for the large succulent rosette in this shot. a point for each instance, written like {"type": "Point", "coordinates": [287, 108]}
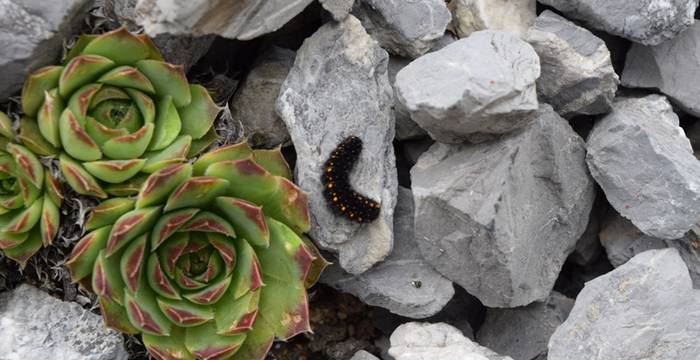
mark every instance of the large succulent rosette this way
{"type": "Point", "coordinates": [209, 261]}
{"type": "Point", "coordinates": [30, 198]}
{"type": "Point", "coordinates": [113, 111]}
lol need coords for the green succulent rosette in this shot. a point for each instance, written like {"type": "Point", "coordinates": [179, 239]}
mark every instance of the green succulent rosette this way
{"type": "Point", "coordinates": [30, 198]}
{"type": "Point", "coordinates": [209, 261]}
{"type": "Point", "coordinates": [114, 112]}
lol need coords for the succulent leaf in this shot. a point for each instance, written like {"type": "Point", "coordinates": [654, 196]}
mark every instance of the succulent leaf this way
{"type": "Point", "coordinates": [198, 116]}
{"type": "Point", "coordinates": [114, 99]}
{"type": "Point", "coordinates": [198, 264]}
{"type": "Point", "coordinates": [31, 137]}
{"type": "Point", "coordinates": [120, 45]}
{"type": "Point", "coordinates": [36, 85]}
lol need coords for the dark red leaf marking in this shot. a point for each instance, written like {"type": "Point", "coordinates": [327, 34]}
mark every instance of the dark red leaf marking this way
{"type": "Point", "coordinates": [144, 320]}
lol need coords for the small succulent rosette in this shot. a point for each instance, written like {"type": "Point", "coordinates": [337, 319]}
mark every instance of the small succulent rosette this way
{"type": "Point", "coordinates": [30, 198]}
{"type": "Point", "coordinates": [209, 261]}
{"type": "Point", "coordinates": [115, 111]}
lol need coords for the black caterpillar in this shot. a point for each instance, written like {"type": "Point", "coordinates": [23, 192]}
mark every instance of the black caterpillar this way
{"type": "Point", "coordinates": [342, 199]}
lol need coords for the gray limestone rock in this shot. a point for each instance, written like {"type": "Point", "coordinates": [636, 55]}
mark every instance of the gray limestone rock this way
{"type": "Point", "coordinates": [645, 309]}
{"type": "Point", "coordinates": [36, 325]}
{"type": "Point", "coordinates": [673, 67]}
{"type": "Point", "coordinates": [32, 33]}
{"type": "Point", "coordinates": [339, 9]}
{"type": "Point", "coordinates": [481, 85]}
{"type": "Point", "coordinates": [404, 28]}
{"type": "Point", "coordinates": [403, 283]}
{"type": "Point", "coordinates": [577, 74]}
{"type": "Point", "coordinates": [622, 241]}
{"type": "Point", "coordinates": [514, 16]}
{"type": "Point", "coordinates": [424, 341]}
{"type": "Point", "coordinates": [363, 355]}
{"type": "Point", "coordinates": [500, 218]}
{"type": "Point", "coordinates": [339, 87]}
{"type": "Point", "coordinates": [254, 102]}
{"type": "Point", "coordinates": [648, 22]}
{"type": "Point", "coordinates": [523, 333]}
{"type": "Point", "coordinates": [642, 160]}
{"type": "Point", "coordinates": [406, 128]}
{"type": "Point", "coordinates": [231, 19]}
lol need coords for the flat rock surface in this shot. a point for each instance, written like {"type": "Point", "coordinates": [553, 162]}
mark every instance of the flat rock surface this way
{"type": "Point", "coordinates": [234, 20]}
{"type": "Point", "coordinates": [339, 87]}
{"type": "Point", "coordinates": [672, 67]}
{"type": "Point", "coordinates": [481, 85]}
{"type": "Point", "coordinates": [339, 9]}
{"type": "Point", "coordinates": [32, 33]}
{"type": "Point", "coordinates": [35, 325]}
{"type": "Point", "coordinates": [403, 283]}
{"type": "Point", "coordinates": [424, 341]}
{"type": "Point", "coordinates": [645, 309]}
{"type": "Point", "coordinates": [577, 73]}
{"type": "Point", "coordinates": [644, 163]}
{"type": "Point", "coordinates": [404, 28]}
{"type": "Point", "coordinates": [648, 22]}
{"type": "Point", "coordinates": [500, 218]}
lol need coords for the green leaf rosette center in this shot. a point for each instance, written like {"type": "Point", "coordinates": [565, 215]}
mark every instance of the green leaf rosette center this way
{"type": "Point", "coordinates": [115, 112]}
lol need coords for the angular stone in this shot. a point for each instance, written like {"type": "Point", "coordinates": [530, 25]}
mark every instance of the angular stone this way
{"type": "Point", "coordinates": [406, 128]}
{"type": "Point", "coordinates": [339, 9]}
{"type": "Point", "coordinates": [523, 333]}
{"type": "Point", "coordinates": [649, 22]}
{"type": "Point", "coordinates": [672, 67]}
{"type": "Point", "coordinates": [577, 73]}
{"type": "Point", "coordinates": [404, 28]}
{"type": "Point", "coordinates": [363, 355]}
{"type": "Point", "coordinates": [622, 241]}
{"type": "Point", "coordinates": [642, 160]}
{"type": "Point", "coordinates": [500, 218]}
{"type": "Point", "coordinates": [645, 309]}
{"type": "Point", "coordinates": [481, 85]}
{"type": "Point", "coordinates": [403, 283]}
{"type": "Point", "coordinates": [514, 16]}
{"type": "Point", "coordinates": [32, 33]}
{"type": "Point", "coordinates": [254, 102]}
{"type": "Point", "coordinates": [230, 19]}
{"type": "Point", "coordinates": [36, 325]}
{"type": "Point", "coordinates": [339, 87]}
{"type": "Point", "coordinates": [423, 341]}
